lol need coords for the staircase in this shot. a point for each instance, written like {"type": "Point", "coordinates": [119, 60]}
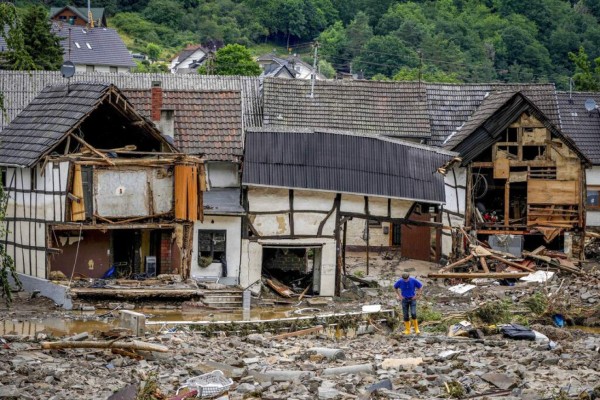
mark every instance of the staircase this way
{"type": "Point", "coordinates": [225, 299]}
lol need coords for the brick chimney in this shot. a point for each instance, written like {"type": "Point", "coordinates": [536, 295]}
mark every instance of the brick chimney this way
{"type": "Point", "coordinates": [156, 103]}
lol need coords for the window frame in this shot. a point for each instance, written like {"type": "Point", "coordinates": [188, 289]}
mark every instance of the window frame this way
{"type": "Point", "coordinates": [592, 188]}
{"type": "Point", "coordinates": [212, 232]}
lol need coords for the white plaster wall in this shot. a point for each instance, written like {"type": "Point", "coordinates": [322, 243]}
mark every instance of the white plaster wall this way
{"type": "Point", "coordinates": [308, 223]}
{"type": "Point", "coordinates": [223, 174]}
{"type": "Point", "coordinates": [119, 193]}
{"type": "Point", "coordinates": [352, 204]}
{"type": "Point", "coordinates": [271, 224]}
{"type": "Point", "coordinates": [356, 228]}
{"type": "Point", "coordinates": [455, 183]}
{"type": "Point", "coordinates": [233, 226]}
{"type": "Point", "coordinates": [268, 199]}
{"type": "Point", "coordinates": [252, 260]}
{"type": "Point", "coordinates": [313, 200]}
{"type": "Point", "coordinates": [592, 177]}
{"type": "Point", "coordinates": [162, 190]}
{"type": "Point", "coordinates": [39, 208]}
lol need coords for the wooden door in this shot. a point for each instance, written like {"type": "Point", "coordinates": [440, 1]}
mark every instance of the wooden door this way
{"type": "Point", "coordinates": [416, 240]}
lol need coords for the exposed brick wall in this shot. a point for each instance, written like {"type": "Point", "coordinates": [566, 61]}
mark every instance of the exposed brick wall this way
{"type": "Point", "coordinates": [157, 97]}
{"type": "Point", "coordinates": [166, 266]}
{"type": "Point", "coordinates": [282, 260]}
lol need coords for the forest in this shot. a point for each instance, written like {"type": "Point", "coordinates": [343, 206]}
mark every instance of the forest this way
{"type": "Point", "coordinates": [445, 41]}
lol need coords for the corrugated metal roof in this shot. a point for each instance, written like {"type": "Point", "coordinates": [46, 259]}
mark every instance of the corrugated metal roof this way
{"type": "Point", "coordinates": [451, 105]}
{"type": "Point", "coordinates": [396, 109]}
{"type": "Point", "coordinates": [206, 122]}
{"type": "Point", "coordinates": [220, 201]}
{"type": "Point", "coordinates": [343, 163]}
{"type": "Point", "coordinates": [96, 46]}
{"type": "Point", "coordinates": [582, 126]}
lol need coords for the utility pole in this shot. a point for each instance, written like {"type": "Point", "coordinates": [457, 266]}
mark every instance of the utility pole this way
{"type": "Point", "coordinates": [420, 66]}
{"type": "Point", "coordinates": [313, 75]}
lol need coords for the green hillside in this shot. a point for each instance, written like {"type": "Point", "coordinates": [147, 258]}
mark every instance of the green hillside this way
{"type": "Point", "coordinates": [455, 41]}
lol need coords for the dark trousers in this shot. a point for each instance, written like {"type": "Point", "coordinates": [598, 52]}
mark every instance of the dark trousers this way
{"type": "Point", "coordinates": [412, 303]}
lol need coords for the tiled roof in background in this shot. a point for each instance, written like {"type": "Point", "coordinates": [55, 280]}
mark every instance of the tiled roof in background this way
{"type": "Point", "coordinates": [450, 105]}
{"type": "Point", "coordinates": [488, 107]}
{"type": "Point", "coordinates": [46, 120]}
{"type": "Point", "coordinates": [582, 126]}
{"type": "Point", "coordinates": [206, 122]}
{"type": "Point", "coordinates": [105, 46]}
{"type": "Point", "coordinates": [367, 107]}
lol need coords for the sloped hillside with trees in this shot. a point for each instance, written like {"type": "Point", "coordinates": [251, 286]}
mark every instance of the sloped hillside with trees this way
{"type": "Point", "coordinates": [443, 40]}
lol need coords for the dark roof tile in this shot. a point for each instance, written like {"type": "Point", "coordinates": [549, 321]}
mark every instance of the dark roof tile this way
{"type": "Point", "coordinates": [582, 126]}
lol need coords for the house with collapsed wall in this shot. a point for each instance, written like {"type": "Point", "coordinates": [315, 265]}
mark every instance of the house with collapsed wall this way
{"type": "Point", "coordinates": [302, 187]}
{"type": "Point", "coordinates": [523, 178]}
{"type": "Point", "coordinates": [580, 121]}
{"type": "Point", "coordinates": [207, 124]}
{"type": "Point", "coordinates": [94, 189]}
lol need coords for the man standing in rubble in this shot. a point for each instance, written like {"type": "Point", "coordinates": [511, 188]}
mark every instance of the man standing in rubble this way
{"type": "Point", "coordinates": [408, 290]}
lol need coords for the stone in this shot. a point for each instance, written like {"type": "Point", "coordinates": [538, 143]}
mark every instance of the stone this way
{"type": "Point", "coordinates": [397, 363]}
{"type": "Point", "coordinates": [349, 369]}
{"type": "Point", "coordinates": [331, 354]}
{"type": "Point", "coordinates": [383, 384]}
{"type": "Point", "coordinates": [501, 381]}
{"type": "Point", "coordinates": [244, 388]}
{"type": "Point", "coordinates": [129, 392]}
{"type": "Point", "coordinates": [9, 392]}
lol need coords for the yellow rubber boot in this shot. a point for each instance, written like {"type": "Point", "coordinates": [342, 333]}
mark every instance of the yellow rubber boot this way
{"type": "Point", "coordinates": [416, 325]}
{"type": "Point", "coordinates": [407, 327]}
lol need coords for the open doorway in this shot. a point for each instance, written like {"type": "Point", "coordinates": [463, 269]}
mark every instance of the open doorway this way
{"type": "Point", "coordinates": [299, 268]}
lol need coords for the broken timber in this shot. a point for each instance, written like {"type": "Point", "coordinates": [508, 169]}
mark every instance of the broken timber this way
{"type": "Point", "coordinates": [473, 275]}
{"type": "Point", "coordinates": [118, 344]}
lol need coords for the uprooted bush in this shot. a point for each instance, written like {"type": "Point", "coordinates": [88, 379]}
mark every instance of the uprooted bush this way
{"type": "Point", "coordinates": [493, 312]}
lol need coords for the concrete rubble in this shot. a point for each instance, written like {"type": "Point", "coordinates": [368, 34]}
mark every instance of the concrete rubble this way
{"type": "Point", "coordinates": [382, 363]}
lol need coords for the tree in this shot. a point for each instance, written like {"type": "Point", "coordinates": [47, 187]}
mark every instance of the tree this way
{"type": "Point", "coordinates": [427, 74]}
{"type": "Point", "coordinates": [153, 51]}
{"type": "Point", "coordinates": [42, 45]}
{"type": "Point", "coordinates": [326, 69]}
{"type": "Point", "coordinates": [358, 33]}
{"type": "Point", "coordinates": [585, 78]}
{"type": "Point", "coordinates": [384, 55]}
{"type": "Point", "coordinates": [233, 59]}
{"type": "Point", "coordinates": [16, 56]}
{"type": "Point", "coordinates": [7, 266]}
{"type": "Point", "coordinates": [334, 46]}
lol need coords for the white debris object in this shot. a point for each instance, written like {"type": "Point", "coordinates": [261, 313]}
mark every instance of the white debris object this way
{"type": "Point", "coordinates": [461, 288]}
{"type": "Point", "coordinates": [538, 276]}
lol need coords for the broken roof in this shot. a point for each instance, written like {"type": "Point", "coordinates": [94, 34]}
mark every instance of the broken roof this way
{"type": "Point", "coordinates": [343, 163]}
{"type": "Point", "coordinates": [582, 126]}
{"type": "Point", "coordinates": [95, 46]}
{"type": "Point", "coordinates": [206, 122]}
{"type": "Point", "coordinates": [485, 126]}
{"type": "Point", "coordinates": [396, 109]}
{"type": "Point", "coordinates": [53, 114]}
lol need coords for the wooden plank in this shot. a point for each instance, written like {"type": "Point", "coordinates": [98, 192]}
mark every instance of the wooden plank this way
{"type": "Point", "coordinates": [180, 189]}
{"type": "Point", "coordinates": [511, 263]}
{"type": "Point", "coordinates": [302, 332]}
{"type": "Point", "coordinates": [501, 168]}
{"type": "Point", "coordinates": [543, 191]}
{"type": "Point", "coordinates": [507, 203]}
{"type": "Point", "coordinates": [77, 207]}
{"type": "Point", "coordinates": [280, 288]}
{"type": "Point", "coordinates": [457, 263]}
{"type": "Point", "coordinates": [484, 264]}
{"type": "Point", "coordinates": [473, 275]}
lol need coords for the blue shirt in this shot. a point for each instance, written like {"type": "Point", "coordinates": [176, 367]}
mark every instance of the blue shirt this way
{"type": "Point", "coordinates": [407, 288]}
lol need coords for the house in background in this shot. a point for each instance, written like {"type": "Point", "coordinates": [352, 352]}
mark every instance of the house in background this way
{"type": "Point", "coordinates": [582, 125]}
{"type": "Point", "coordinates": [94, 186]}
{"type": "Point", "coordinates": [94, 49]}
{"type": "Point", "coordinates": [289, 67]}
{"type": "Point", "coordinates": [189, 59]}
{"type": "Point", "coordinates": [524, 177]}
{"type": "Point", "coordinates": [206, 124]}
{"type": "Point", "coordinates": [78, 16]}
{"type": "Point", "coordinates": [303, 186]}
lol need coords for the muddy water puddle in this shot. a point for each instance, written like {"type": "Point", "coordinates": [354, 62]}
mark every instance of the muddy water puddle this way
{"type": "Point", "coordinates": [77, 322]}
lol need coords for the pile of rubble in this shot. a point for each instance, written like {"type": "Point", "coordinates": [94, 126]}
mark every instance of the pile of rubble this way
{"type": "Point", "coordinates": [311, 367]}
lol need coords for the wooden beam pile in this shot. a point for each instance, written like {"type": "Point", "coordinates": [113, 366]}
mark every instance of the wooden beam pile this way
{"type": "Point", "coordinates": [488, 263]}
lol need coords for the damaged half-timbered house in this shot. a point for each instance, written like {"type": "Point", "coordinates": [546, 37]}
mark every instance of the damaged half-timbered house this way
{"type": "Point", "coordinates": [303, 186]}
{"type": "Point", "coordinates": [207, 124]}
{"type": "Point", "coordinates": [95, 190]}
{"type": "Point", "coordinates": [523, 179]}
